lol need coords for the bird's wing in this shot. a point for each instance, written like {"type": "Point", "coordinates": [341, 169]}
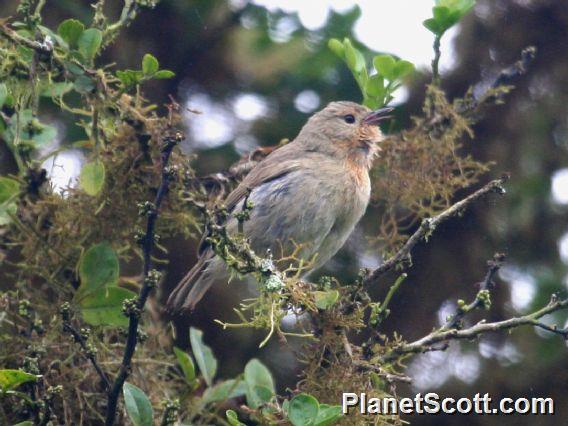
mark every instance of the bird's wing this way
{"type": "Point", "coordinates": [277, 164]}
{"type": "Point", "coordinates": [196, 282]}
{"type": "Point", "coordinates": [280, 162]}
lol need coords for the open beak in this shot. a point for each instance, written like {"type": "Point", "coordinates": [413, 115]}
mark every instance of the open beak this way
{"type": "Point", "coordinates": [376, 117]}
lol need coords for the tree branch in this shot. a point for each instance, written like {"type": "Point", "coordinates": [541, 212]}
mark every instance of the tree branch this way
{"type": "Point", "coordinates": [429, 225]}
{"type": "Point", "coordinates": [481, 299]}
{"type": "Point", "coordinates": [134, 308]}
{"type": "Point", "coordinates": [426, 343]}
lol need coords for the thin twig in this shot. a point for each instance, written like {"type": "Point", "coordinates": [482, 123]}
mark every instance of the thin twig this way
{"type": "Point", "coordinates": [429, 225]}
{"type": "Point", "coordinates": [480, 300]}
{"type": "Point", "coordinates": [135, 311]}
{"type": "Point", "coordinates": [89, 354]}
{"type": "Point", "coordinates": [427, 342]}
{"type": "Point", "coordinates": [436, 60]}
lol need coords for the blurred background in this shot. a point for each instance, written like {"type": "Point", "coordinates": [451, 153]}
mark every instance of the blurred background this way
{"type": "Point", "coordinates": [258, 69]}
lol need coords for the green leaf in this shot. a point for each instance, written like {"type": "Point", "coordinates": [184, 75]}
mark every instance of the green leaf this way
{"type": "Point", "coordinates": [327, 415]}
{"type": "Point", "coordinates": [89, 43]}
{"type": "Point", "coordinates": [104, 306]}
{"type": "Point", "coordinates": [9, 188]}
{"type": "Point", "coordinates": [228, 389]}
{"type": "Point", "coordinates": [186, 364]}
{"type": "Point", "coordinates": [71, 30]}
{"type": "Point", "coordinates": [3, 94]}
{"type": "Point", "coordinates": [326, 299]}
{"type": "Point", "coordinates": [11, 379]}
{"type": "Point", "coordinates": [31, 129]}
{"type": "Point", "coordinates": [98, 268]}
{"type": "Point", "coordinates": [384, 64]}
{"type": "Point", "coordinates": [129, 77]}
{"type": "Point", "coordinates": [336, 47]}
{"type": "Point", "coordinates": [433, 26]}
{"type": "Point", "coordinates": [92, 177]}
{"type": "Point", "coordinates": [26, 423]}
{"type": "Point", "coordinates": [375, 86]}
{"type": "Point", "coordinates": [163, 74]}
{"type": "Point", "coordinates": [354, 58]}
{"type": "Point", "coordinates": [83, 84]}
{"type": "Point", "coordinates": [303, 410]}
{"type": "Point", "coordinates": [403, 68]}
{"type": "Point", "coordinates": [260, 384]}
{"type": "Point", "coordinates": [203, 355]}
{"type": "Point", "coordinates": [233, 419]}
{"type": "Point", "coordinates": [150, 65]}
{"type": "Point", "coordinates": [56, 90]}
{"type": "Point", "coordinates": [138, 406]}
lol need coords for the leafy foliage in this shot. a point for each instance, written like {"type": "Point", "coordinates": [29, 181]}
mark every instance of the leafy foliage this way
{"type": "Point", "coordinates": [377, 88]}
{"type": "Point", "coordinates": [446, 14]}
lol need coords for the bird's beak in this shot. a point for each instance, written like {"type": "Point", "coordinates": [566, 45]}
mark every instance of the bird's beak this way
{"type": "Point", "coordinates": [375, 117]}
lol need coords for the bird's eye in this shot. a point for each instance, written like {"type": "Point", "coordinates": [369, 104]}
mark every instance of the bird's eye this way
{"type": "Point", "coordinates": [349, 119]}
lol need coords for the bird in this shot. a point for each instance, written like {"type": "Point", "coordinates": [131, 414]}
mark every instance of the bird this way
{"type": "Point", "coordinates": [308, 194]}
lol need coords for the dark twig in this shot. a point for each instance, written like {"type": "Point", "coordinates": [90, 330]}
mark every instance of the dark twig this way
{"type": "Point", "coordinates": [81, 339]}
{"type": "Point", "coordinates": [135, 308]}
{"type": "Point", "coordinates": [38, 46]}
{"type": "Point", "coordinates": [427, 342]}
{"type": "Point", "coordinates": [482, 297]}
{"type": "Point", "coordinates": [428, 226]}
{"type": "Point", "coordinates": [519, 68]}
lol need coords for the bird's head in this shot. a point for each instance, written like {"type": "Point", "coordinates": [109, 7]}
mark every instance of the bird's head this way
{"type": "Point", "coordinates": [345, 129]}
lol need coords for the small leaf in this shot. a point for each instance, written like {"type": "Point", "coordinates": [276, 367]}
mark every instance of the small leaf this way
{"type": "Point", "coordinates": [403, 68]}
{"type": "Point", "coordinates": [186, 364]}
{"type": "Point", "coordinates": [233, 419]}
{"type": "Point", "coordinates": [260, 384]}
{"type": "Point", "coordinates": [8, 188]}
{"type": "Point", "coordinates": [11, 379]}
{"type": "Point", "coordinates": [83, 84]}
{"type": "Point", "coordinates": [26, 423]}
{"type": "Point", "coordinates": [70, 30]}
{"type": "Point", "coordinates": [98, 268]}
{"type": "Point", "coordinates": [303, 410]}
{"type": "Point", "coordinates": [336, 47]}
{"type": "Point", "coordinates": [150, 65]}
{"type": "Point", "coordinates": [92, 177]}
{"type": "Point", "coordinates": [89, 43]}
{"type": "Point", "coordinates": [228, 389]}
{"type": "Point", "coordinates": [203, 355]}
{"type": "Point", "coordinates": [326, 299]}
{"type": "Point", "coordinates": [138, 406]}
{"type": "Point", "coordinates": [3, 94]}
{"type": "Point", "coordinates": [327, 415]}
{"type": "Point", "coordinates": [353, 57]}
{"type": "Point", "coordinates": [163, 74]}
{"type": "Point", "coordinates": [375, 86]}
{"type": "Point", "coordinates": [129, 77]}
{"type": "Point", "coordinates": [104, 306]}
{"type": "Point", "coordinates": [384, 64]}
{"type": "Point", "coordinates": [432, 25]}
{"type": "Point", "coordinates": [56, 90]}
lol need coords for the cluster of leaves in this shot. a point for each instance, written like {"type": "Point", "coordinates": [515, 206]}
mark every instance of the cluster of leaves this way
{"type": "Point", "coordinates": [446, 14]}
{"type": "Point", "coordinates": [378, 87]}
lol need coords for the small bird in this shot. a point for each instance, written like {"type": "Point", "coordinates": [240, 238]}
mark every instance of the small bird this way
{"type": "Point", "coordinates": [308, 194]}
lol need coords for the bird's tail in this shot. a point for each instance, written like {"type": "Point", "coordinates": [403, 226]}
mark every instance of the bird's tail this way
{"type": "Point", "coordinates": [191, 289]}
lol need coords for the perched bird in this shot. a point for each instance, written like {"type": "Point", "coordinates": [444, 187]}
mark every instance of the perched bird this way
{"type": "Point", "coordinates": [309, 194]}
